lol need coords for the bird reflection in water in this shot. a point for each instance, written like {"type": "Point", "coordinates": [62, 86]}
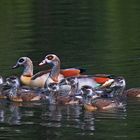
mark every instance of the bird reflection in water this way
{"type": "Point", "coordinates": [9, 113]}
{"type": "Point", "coordinates": [53, 115]}
{"type": "Point", "coordinates": [71, 116]}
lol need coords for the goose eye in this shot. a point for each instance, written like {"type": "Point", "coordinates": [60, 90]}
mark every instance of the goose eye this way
{"type": "Point", "coordinates": [50, 57]}
{"type": "Point", "coordinates": [21, 60]}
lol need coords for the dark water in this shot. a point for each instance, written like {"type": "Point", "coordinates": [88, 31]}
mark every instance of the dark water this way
{"type": "Point", "coordinates": [101, 36]}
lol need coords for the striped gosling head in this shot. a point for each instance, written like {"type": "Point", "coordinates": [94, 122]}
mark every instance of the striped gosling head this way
{"type": "Point", "coordinates": [13, 81]}
{"type": "Point", "coordinates": [72, 81]}
{"type": "Point", "coordinates": [88, 92]}
{"type": "Point", "coordinates": [119, 82]}
{"type": "Point", "coordinates": [53, 87]}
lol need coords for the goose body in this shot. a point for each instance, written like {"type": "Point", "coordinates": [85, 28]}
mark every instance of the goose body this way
{"type": "Point", "coordinates": [27, 77]}
{"type": "Point", "coordinates": [86, 80]}
{"type": "Point", "coordinates": [133, 92]}
{"type": "Point", "coordinates": [39, 79]}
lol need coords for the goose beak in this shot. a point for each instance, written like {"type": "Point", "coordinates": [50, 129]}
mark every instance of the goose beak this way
{"type": "Point", "coordinates": [15, 66]}
{"type": "Point", "coordinates": [42, 63]}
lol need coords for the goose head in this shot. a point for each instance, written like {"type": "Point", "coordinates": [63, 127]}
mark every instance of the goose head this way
{"type": "Point", "coordinates": [50, 59]}
{"type": "Point", "coordinates": [119, 82]}
{"type": "Point", "coordinates": [53, 87]}
{"type": "Point", "coordinates": [26, 63]}
{"type": "Point", "coordinates": [54, 62]}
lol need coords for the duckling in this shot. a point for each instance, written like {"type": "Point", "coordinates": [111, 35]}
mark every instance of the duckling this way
{"type": "Point", "coordinates": [14, 79]}
{"type": "Point", "coordinates": [93, 102]}
{"type": "Point", "coordinates": [87, 92]}
{"type": "Point", "coordinates": [69, 85]}
{"type": "Point", "coordinates": [118, 87]}
{"type": "Point", "coordinates": [132, 92]}
{"type": "Point", "coordinates": [114, 90]}
{"type": "Point", "coordinates": [4, 88]}
{"type": "Point", "coordinates": [21, 94]}
{"type": "Point", "coordinates": [106, 103]}
{"type": "Point", "coordinates": [52, 91]}
{"type": "Point", "coordinates": [59, 96]}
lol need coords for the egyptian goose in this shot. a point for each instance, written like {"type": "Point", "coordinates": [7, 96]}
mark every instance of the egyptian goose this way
{"type": "Point", "coordinates": [27, 77]}
{"type": "Point", "coordinates": [54, 75]}
{"type": "Point", "coordinates": [39, 79]}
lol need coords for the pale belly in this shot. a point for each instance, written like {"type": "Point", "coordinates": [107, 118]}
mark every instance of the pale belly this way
{"type": "Point", "coordinates": [40, 81]}
{"type": "Point", "coordinates": [88, 82]}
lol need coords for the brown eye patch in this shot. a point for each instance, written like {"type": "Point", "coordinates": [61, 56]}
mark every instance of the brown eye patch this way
{"type": "Point", "coordinates": [50, 57]}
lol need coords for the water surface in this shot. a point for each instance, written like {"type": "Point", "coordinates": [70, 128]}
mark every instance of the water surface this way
{"type": "Point", "coordinates": [101, 36]}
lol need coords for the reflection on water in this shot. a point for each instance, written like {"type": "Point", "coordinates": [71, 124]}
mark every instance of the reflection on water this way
{"type": "Point", "coordinates": [101, 36]}
{"type": "Point", "coordinates": [20, 116]}
{"type": "Point", "coordinates": [34, 120]}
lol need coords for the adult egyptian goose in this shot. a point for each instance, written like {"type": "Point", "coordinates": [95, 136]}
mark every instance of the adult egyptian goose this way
{"type": "Point", "coordinates": [39, 79]}
{"type": "Point", "coordinates": [54, 76]}
{"type": "Point", "coordinates": [27, 77]}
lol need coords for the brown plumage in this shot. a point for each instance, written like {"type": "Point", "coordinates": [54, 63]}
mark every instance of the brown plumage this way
{"type": "Point", "coordinates": [17, 93]}
{"type": "Point", "coordinates": [133, 92]}
{"type": "Point", "coordinates": [66, 100]}
{"type": "Point", "coordinates": [26, 96]}
{"type": "Point", "coordinates": [103, 104]}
